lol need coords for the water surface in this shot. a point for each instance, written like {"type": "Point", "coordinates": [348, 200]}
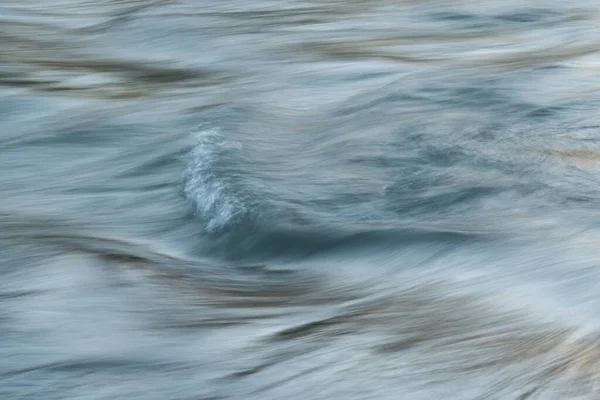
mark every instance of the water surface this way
{"type": "Point", "coordinates": [299, 199]}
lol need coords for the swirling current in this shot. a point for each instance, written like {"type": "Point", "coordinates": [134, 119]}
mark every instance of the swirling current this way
{"type": "Point", "coordinates": [294, 199]}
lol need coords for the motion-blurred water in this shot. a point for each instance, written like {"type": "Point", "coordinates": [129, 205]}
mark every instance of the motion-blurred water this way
{"type": "Point", "coordinates": [359, 199]}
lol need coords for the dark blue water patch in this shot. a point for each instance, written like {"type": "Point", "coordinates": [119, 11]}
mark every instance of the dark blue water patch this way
{"type": "Point", "coordinates": [261, 241]}
{"type": "Point", "coordinates": [546, 112]}
{"type": "Point", "coordinates": [481, 101]}
{"type": "Point", "coordinates": [465, 22]}
{"type": "Point", "coordinates": [480, 95]}
{"type": "Point", "coordinates": [440, 155]}
{"type": "Point", "coordinates": [529, 15]}
{"type": "Point", "coordinates": [453, 16]}
{"type": "Point", "coordinates": [418, 199]}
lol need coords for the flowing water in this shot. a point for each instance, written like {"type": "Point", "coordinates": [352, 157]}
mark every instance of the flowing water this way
{"type": "Point", "coordinates": [299, 199]}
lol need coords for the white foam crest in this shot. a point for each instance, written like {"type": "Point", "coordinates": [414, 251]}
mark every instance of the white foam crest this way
{"type": "Point", "coordinates": [214, 203]}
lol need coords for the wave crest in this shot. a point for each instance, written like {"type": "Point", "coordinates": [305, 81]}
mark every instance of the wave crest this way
{"type": "Point", "coordinates": [214, 202]}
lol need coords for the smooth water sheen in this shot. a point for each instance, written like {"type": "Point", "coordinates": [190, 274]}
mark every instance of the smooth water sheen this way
{"type": "Point", "coordinates": [294, 199]}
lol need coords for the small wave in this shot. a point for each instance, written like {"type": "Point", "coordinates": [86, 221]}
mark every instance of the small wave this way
{"type": "Point", "coordinates": [214, 203]}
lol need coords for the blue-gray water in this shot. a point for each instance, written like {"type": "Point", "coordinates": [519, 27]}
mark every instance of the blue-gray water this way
{"type": "Point", "coordinates": [360, 199]}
